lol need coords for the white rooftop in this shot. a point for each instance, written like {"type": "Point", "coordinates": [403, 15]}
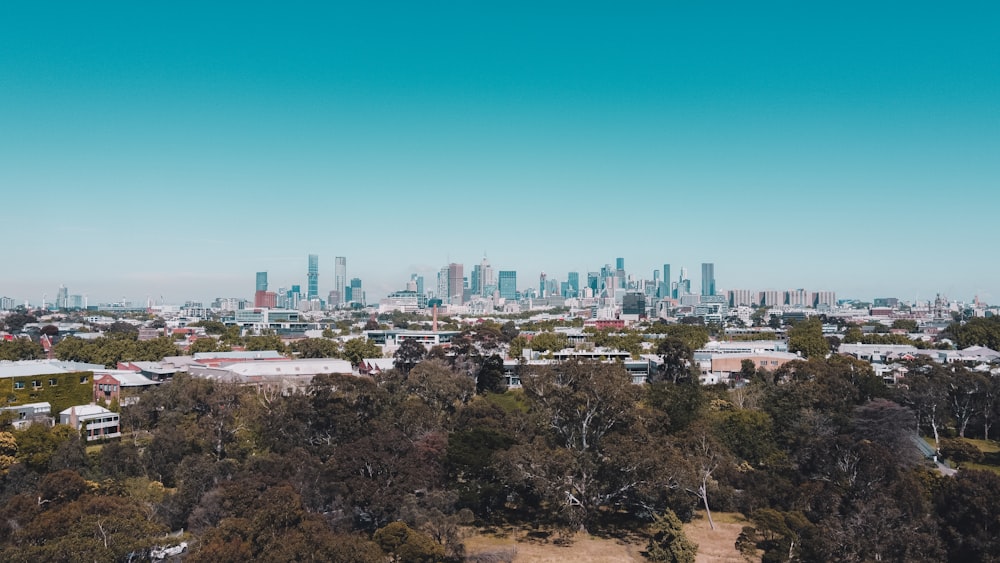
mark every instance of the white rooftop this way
{"type": "Point", "coordinates": [27, 368]}
{"type": "Point", "coordinates": [86, 410]}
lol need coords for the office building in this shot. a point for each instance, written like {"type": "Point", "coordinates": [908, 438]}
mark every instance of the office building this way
{"type": "Point", "coordinates": [340, 278]}
{"type": "Point", "coordinates": [573, 280]}
{"type": "Point", "coordinates": [456, 284]}
{"type": "Point", "coordinates": [665, 289]}
{"type": "Point", "coordinates": [634, 304]}
{"type": "Point", "coordinates": [62, 297]}
{"type": "Point", "coordinates": [261, 281]}
{"type": "Point", "coordinates": [708, 278]}
{"type": "Point", "coordinates": [312, 278]}
{"type": "Point", "coordinates": [355, 293]}
{"type": "Point", "coordinates": [594, 282]}
{"type": "Point", "coordinates": [507, 284]}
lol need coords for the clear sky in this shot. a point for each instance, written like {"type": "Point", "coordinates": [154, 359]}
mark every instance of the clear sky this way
{"type": "Point", "coordinates": [176, 148]}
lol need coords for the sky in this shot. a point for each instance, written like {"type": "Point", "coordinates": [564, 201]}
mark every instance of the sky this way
{"type": "Point", "coordinates": [173, 149]}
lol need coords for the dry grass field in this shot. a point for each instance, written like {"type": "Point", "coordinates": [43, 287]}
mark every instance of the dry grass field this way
{"type": "Point", "coordinates": [527, 546]}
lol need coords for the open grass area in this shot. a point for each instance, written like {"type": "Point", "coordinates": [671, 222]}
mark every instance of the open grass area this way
{"type": "Point", "coordinates": [523, 545]}
{"type": "Point", "coordinates": [985, 446]}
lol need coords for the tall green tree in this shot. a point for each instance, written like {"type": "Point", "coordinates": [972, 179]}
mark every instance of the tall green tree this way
{"type": "Point", "coordinates": [807, 337]}
{"type": "Point", "coordinates": [667, 541]}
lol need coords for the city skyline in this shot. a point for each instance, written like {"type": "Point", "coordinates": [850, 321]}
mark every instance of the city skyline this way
{"type": "Point", "coordinates": [153, 152]}
{"type": "Point", "coordinates": [449, 273]}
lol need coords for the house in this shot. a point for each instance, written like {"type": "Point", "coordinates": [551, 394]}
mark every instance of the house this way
{"type": "Point", "coordinates": [31, 413]}
{"type": "Point", "coordinates": [122, 386]}
{"type": "Point", "coordinates": [99, 422]}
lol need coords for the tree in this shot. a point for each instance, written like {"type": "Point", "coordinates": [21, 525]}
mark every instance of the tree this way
{"type": "Point", "coordinates": [580, 470]}
{"type": "Point", "coordinates": [122, 329]}
{"type": "Point", "coordinates": [678, 359]}
{"type": "Point", "coordinates": [409, 354]}
{"type": "Point", "coordinates": [807, 337]}
{"type": "Point", "coordinates": [406, 545]}
{"type": "Point", "coordinates": [693, 336]}
{"type": "Point", "coordinates": [667, 542]}
{"type": "Point", "coordinates": [853, 334]}
{"type": "Point", "coordinates": [909, 325]}
{"type": "Point", "coordinates": [15, 321]}
{"type": "Point", "coordinates": [358, 349]}
{"type": "Point", "coordinates": [549, 341]}
{"type": "Point", "coordinates": [966, 506]}
{"type": "Point", "coordinates": [316, 348]}
{"type": "Point", "coordinates": [203, 345]}
{"type": "Point", "coordinates": [491, 378]}
{"type": "Point", "coordinates": [265, 342]}
{"type": "Point", "coordinates": [20, 349]}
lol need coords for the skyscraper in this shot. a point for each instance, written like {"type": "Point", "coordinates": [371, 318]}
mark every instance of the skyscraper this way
{"type": "Point", "coordinates": [357, 294]}
{"type": "Point", "coordinates": [483, 279]}
{"type": "Point", "coordinates": [573, 280]}
{"type": "Point", "coordinates": [340, 278]}
{"type": "Point", "coordinates": [707, 278]}
{"type": "Point", "coordinates": [508, 284]}
{"type": "Point", "coordinates": [665, 288]}
{"type": "Point", "coordinates": [261, 281]}
{"type": "Point", "coordinates": [312, 278]}
{"type": "Point", "coordinates": [456, 284]}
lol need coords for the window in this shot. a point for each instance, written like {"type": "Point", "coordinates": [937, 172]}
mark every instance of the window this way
{"type": "Point", "coordinates": [18, 385]}
{"type": "Point", "coordinates": [84, 379]}
{"type": "Point", "coordinates": [53, 382]}
{"type": "Point", "coordinates": [36, 383]}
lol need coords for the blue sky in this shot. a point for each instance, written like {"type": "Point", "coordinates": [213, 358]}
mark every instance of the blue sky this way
{"type": "Point", "coordinates": [175, 149]}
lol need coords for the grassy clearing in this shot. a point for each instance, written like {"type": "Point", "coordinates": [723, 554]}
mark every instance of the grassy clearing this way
{"type": "Point", "coordinates": [985, 446]}
{"type": "Point", "coordinates": [524, 545]}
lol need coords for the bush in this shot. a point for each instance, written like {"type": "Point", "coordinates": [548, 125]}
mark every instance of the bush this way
{"type": "Point", "coordinates": [958, 450]}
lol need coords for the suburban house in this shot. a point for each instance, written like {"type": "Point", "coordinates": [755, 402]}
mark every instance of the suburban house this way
{"type": "Point", "coordinates": [122, 386]}
{"type": "Point", "coordinates": [99, 422]}
{"type": "Point", "coordinates": [30, 413]}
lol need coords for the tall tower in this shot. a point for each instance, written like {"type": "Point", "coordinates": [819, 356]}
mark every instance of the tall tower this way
{"type": "Point", "coordinates": [573, 280]}
{"type": "Point", "coordinates": [456, 284]}
{"type": "Point", "coordinates": [312, 278]}
{"type": "Point", "coordinates": [707, 278]}
{"type": "Point", "coordinates": [340, 277]}
{"type": "Point", "coordinates": [665, 287]}
{"type": "Point", "coordinates": [508, 284]}
{"type": "Point", "coordinates": [261, 281]}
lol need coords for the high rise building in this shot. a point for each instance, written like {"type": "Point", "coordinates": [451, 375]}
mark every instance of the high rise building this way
{"type": "Point", "coordinates": [312, 278]}
{"type": "Point", "coordinates": [594, 282]}
{"type": "Point", "coordinates": [542, 285]}
{"type": "Point", "coordinates": [683, 284]}
{"type": "Point", "coordinates": [340, 278]}
{"type": "Point", "coordinates": [665, 289]}
{"type": "Point", "coordinates": [62, 297]}
{"type": "Point", "coordinates": [619, 272]}
{"type": "Point", "coordinates": [573, 280]}
{"type": "Point", "coordinates": [483, 278]}
{"type": "Point", "coordinates": [261, 281]}
{"type": "Point", "coordinates": [456, 284]}
{"type": "Point", "coordinates": [634, 303]}
{"type": "Point", "coordinates": [419, 280]}
{"type": "Point", "coordinates": [357, 295]}
{"type": "Point", "coordinates": [508, 284]}
{"type": "Point", "coordinates": [707, 278]}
